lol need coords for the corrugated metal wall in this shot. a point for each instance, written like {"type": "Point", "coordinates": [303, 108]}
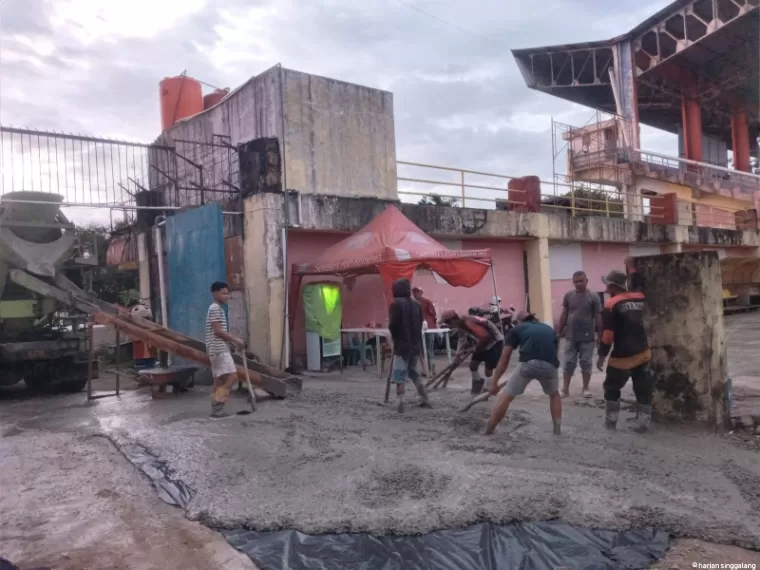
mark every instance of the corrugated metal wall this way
{"type": "Point", "coordinates": [195, 258]}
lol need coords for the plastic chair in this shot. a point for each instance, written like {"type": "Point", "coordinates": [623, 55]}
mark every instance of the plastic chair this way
{"type": "Point", "coordinates": [353, 352]}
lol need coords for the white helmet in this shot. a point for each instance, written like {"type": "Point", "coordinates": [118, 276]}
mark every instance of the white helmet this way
{"type": "Point", "coordinates": [495, 300]}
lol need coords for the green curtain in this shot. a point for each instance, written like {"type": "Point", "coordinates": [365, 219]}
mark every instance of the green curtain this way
{"type": "Point", "coordinates": [323, 309]}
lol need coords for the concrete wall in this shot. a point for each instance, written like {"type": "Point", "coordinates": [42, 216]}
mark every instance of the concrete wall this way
{"type": "Point", "coordinates": [324, 220]}
{"type": "Point", "coordinates": [339, 138]}
{"type": "Point", "coordinates": [686, 334]}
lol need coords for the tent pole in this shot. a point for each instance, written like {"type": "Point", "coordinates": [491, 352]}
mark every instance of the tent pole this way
{"type": "Point", "coordinates": [496, 294]}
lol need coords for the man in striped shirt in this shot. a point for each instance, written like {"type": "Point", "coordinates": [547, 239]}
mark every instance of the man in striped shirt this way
{"type": "Point", "coordinates": [218, 340]}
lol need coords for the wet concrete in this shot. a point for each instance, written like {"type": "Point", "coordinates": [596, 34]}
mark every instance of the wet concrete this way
{"type": "Point", "coordinates": [72, 502]}
{"type": "Point", "coordinates": [336, 459]}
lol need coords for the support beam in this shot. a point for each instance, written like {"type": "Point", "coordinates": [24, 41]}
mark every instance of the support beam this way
{"type": "Point", "coordinates": [740, 140]}
{"type": "Point", "coordinates": [691, 116]}
{"type": "Point", "coordinates": [687, 335]}
{"type": "Point", "coordinates": [539, 279]}
{"type": "Point", "coordinates": [626, 91]}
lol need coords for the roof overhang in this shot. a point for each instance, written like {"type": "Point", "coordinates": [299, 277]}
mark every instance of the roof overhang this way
{"type": "Point", "coordinates": [717, 42]}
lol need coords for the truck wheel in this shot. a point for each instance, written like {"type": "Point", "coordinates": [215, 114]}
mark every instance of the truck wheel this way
{"type": "Point", "coordinates": [73, 386]}
{"type": "Point", "coordinates": [37, 384]}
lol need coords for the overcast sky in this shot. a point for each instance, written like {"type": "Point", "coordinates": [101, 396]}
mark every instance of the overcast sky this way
{"type": "Point", "coordinates": [93, 66]}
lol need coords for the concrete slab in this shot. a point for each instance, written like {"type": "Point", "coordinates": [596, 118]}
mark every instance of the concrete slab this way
{"type": "Point", "coordinates": [335, 458]}
{"type": "Point", "coordinates": [72, 502]}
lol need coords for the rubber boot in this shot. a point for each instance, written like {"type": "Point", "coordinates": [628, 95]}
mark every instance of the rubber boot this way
{"type": "Point", "coordinates": [424, 402]}
{"type": "Point", "coordinates": [217, 410]}
{"type": "Point", "coordinates": [477, 386]}
{"type": "Point", "coordinates": [611, 413]}
{"type": "Point", "coordinates": [401, 407]}
{"type": "Point", "coordinates": [645, 418]}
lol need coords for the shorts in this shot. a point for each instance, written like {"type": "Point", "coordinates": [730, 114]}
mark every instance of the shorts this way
{"type": "Point", "coordinates": [401, 369]}
{"type": "Point", "coordinates": [545, 372]}
{"type": "Point", "coordinates": [222, 364]}
{"type": "Point", "coordinates": [574, 351]}
{"type": "Point", "coordinates": [491, 356]}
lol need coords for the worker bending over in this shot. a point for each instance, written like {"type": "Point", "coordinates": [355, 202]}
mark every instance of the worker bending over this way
{"type": "Point", "coordinates": [538, 344]}
{"type": "Point", "coordinates": [624, 333]}
{"type": "Point", "coordinates": [487, 339]}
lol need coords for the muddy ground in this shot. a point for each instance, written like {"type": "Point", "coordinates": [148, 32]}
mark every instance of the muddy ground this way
{"type": "Point", "coordinates": [336, 458]}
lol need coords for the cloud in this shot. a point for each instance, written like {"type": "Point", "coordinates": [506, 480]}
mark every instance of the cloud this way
{"type": "Point", "coordinates": [93, 66]}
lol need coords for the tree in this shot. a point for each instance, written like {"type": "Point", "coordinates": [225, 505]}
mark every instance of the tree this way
{"type": "Point", "coordinates": [109, 283]}
{"type": "Point", "coordinates": [437, 200]}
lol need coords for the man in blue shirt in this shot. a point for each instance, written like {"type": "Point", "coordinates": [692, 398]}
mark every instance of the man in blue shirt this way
{"type": "Point", "coordinates": [538, 361]}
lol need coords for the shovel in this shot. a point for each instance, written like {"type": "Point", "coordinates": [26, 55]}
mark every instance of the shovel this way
{"type": "Point", "coordinates": [250, 390]}
{"type": "Point", "coordinates": [481, 398]}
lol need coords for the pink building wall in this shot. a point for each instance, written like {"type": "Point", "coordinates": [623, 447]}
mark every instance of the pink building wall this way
{"type": "Point", "coordinates": [597, 260]}
{"type": "Point", "coordinates": [365, 302]}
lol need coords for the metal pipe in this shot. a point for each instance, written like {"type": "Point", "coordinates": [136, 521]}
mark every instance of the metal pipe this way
{"type": "Point", "coordinates": [144, 267]}
{"type": "Point", "coordinates": [109, 206]}
{"type": "Point", "coordinates": [286, 329]}
{"type": "Point", "coordinates": [159, 244]}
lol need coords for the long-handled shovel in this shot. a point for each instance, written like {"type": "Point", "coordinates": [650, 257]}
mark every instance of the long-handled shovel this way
{"type": "Point", "coordinates": [481, 398]}
{"type": "Point", "coordinates": [250, 390]}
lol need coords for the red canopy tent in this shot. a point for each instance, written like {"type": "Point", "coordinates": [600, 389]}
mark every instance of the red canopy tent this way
{"type": "Point", "coordinates": [393, 246]}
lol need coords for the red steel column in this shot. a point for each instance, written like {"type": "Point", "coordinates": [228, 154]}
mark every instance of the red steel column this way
{"type": "Point", "coordinates": [740, 140]}
{"type": "Point", "coordinates": [691, 116]}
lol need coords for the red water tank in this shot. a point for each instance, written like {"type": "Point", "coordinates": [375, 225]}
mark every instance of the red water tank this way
{"type": "Point", "coordinates": [181, 97]}
{"type": "Point", "coordinates": [214, 97]}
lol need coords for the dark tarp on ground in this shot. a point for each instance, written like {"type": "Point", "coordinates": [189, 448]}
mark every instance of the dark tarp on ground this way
{"type": "Point", "coordinates": [524, 546]}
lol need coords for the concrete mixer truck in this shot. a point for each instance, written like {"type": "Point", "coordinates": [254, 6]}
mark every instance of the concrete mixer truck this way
{"type": "Point", "coordinates": [42, 341]}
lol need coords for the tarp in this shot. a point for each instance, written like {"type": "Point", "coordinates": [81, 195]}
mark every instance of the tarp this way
{"type": "Point", "coordinates": [393, 246]}
{"type": "Point", "coordinates": [528, 546]}
{"type": "Point", "coordinates": [323, 309]}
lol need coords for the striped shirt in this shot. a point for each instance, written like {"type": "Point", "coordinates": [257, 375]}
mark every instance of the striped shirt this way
{"type": "Point", "coordinates": [214, 344]}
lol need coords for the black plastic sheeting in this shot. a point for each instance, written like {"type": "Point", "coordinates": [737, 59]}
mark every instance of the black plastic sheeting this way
{"type": "Point", "coordinates": [523, 546]}
{"type": "Point", "coordinates": [170, 490]}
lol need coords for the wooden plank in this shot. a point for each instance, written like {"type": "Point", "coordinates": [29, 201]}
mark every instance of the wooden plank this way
{"type": "Point", "coordinates": [268, 384]}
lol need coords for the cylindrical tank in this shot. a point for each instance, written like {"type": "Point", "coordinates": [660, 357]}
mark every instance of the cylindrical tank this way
{"type": "Point", "coordinates": [181, 97]}
{"type": "Point", "coordinates": [214, 97]}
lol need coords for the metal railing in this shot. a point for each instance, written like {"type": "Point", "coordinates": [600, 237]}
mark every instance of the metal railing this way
{"type": "Point", "coordinates": [106, 173]}
{"type": "Point", "coordinates": [456, 187]}
{"type": "Point", "coordinates": [487, 190]}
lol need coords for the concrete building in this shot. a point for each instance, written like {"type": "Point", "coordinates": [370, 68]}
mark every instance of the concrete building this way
{"type": "Point", "coordinates": [316, 161]}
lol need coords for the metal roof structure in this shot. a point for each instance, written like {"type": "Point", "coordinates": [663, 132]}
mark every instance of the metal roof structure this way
{"type": "Point", "coordinates": [715, 42]}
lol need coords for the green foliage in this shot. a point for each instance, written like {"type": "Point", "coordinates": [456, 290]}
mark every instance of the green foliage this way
{"type": "Point", "coordinates": [109, 283]}
{"type": "Point", "coordinates": [437, 200]}
{"type": "Point", "coordinates": [585, 199]}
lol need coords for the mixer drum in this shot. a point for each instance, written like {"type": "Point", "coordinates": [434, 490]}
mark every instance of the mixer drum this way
{"type": "Point", "coordinates": [35, 236]}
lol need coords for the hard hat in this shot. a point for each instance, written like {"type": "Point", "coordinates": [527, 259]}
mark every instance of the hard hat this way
{"type": "Point", "coordinates": [495, 300]}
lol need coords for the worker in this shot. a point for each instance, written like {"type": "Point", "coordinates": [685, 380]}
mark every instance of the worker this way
{"type": "Point", "coordinates": [624, 333]}
{"type": "Point", "coordinates": [218, 340]}
{"type": "Point", "coordinates": [429, 321]}
{"type": "Point", "coordinates": [487, 341]}
{"type": "Point", "coordinates": [538, 344]}
{"type": "Point", "coordinates": [405, 325]}
{"type": "Point", "coordinates": [581, 317]}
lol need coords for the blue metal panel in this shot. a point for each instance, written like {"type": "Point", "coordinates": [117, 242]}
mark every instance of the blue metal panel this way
{"type": "Point", "coordinates": [195, 259]}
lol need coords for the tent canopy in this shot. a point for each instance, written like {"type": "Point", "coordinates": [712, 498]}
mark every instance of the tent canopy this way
{"type": "Point", "coordinates": [394, 247]}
